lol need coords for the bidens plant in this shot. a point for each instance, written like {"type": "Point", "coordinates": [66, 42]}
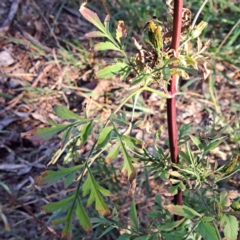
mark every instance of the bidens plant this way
{"type": "Point", "coordinates": [154, 62]}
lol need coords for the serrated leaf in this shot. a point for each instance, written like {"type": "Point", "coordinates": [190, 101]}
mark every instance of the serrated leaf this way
{"type": "Point", "coordinates": [95, 34]}
{"type": "Point", "coordinates": [86, 131]}
{"type": "Point", "coordinates": [102, 46]}
{"type": "Point", "coordinates": [92, 17]}
{"type": "Point", "coordinates": [231, 226]}
{"type": "Point", "coordinates": [196, 141]}
{"type": "Point", "coordinates": [59, 205]}
{"type": "Point", "coordinates": [113, 70]}
{"type": "Point", "coordinates": [66, 114]}
{"type": "Point", "coordinates": [47, 133]}
{"type": "Point", "coordinates": [83, 217]}
{"type": "Point", "coordinates": [90, 185]}
{"type": "Point", "coordinates": [207, 231]}
{"type": "Point", "coordinates": [113, 154]}
{"type": "Point", "coordinates": [127, 164]}
{"type": "Point", "coordinates": [134, 222]}
{"type": "Point", "coordinates": [104, 136]}
{"type": "Point", "coordinates": [50, 177]}
{"type": "Point", "coordinates": [183, 211]}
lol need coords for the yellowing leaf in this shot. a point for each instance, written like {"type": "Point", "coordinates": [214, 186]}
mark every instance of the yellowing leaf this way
{"type": "Point", "coordinates": [183, 211]}
{"type": "Point", "coordinates": [95, 190]}
{"type": "Point", "coordinates": [83, 217]}
{"type": "Point", "coordinates": [112, 154]}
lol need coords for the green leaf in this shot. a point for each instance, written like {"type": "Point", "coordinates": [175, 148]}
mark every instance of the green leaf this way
{"type": "Point", "coordinates": [59, 221]}
{"type": "Point", "coordinates": [102, 46]}
{"type": "Point", "coordinates": [212, 145]}
{"type": "Point", "coordinates": [5, 186]}
{"type": "Point", "coordinates": [192, 71]}
{"type": "Point", "coordinates": [132, 142]}
{"type": "Point", "coordinates": [127, 164]}
{"type": "Point", "coordinates": [231, 226]}
{"type": "Point", "coordinates": [125, 236]}
{"type": "Point", "coordinates": [95, 34]}
{"type": "Point", "coordinates": [174, 189]}
{"type": "Point", "coordinates": [183, 211]}
{"type": "Point", "coordinates": [50, 177]}
{"type": "Point", "coordinates": [134, 222]}
{"type": "Point", "coordinates": [113, 154]}
{"type": "Point", "coordinates": [90, 185]}
{"type": "Point", "coordinates": [106, 231]}
{"type": "Point", "coordinates": [86, 131]}
{"type": "Point", "coordinates": [170, 226]}
{"type": "Point", "coordinates": [104, 137]}
{"type": "Point", "coordinates": [69, 179]}
{"type": "Point", "coordinates": [66, 114]}
{"type": "Point", "coordinates": [113, 70]}
{"type": "Point", "coordinates": [207, 231]}
{"type": "Point", "coordinates": [184, 156]}
{"type": "Point", "coordinates": [66, 135]}
{"type": "Point", "coordinates": [196, 141]}
{"type": "Point", "coordinates": [207, 219]}
{"type": "Point", "coordinates": [60, 205]}
{"type": "Point", "coordinates": [67, 231]}
{"type": "Point", "coordinates": [92, 17]}
{"type": "Point", "coordinates": [83, 217]}
{"type": "Point", "coordinates": [47, 133]}
{"type": "Point", "coordinates": [158, 200]}
{"type": "Point", "coordinates": [166, 73]}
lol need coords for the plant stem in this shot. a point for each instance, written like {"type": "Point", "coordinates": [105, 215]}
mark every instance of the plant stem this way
{"type": "Point", "coordinates": [171, 102]}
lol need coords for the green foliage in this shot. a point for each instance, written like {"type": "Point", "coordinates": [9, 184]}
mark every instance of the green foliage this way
{"type": "Point", "coordinates": [205, 206]}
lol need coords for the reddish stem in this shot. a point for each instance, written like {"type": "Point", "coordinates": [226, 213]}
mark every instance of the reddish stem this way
{"type": "Point", "coordinates": [171, 102]}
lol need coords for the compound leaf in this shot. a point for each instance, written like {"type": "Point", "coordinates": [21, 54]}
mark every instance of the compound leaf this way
{"type": "Point", "coordinates": [90, 185]}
